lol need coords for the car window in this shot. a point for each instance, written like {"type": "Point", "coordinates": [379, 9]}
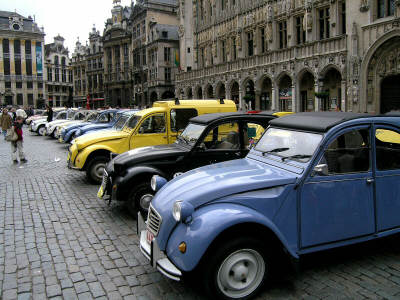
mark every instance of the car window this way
{"type": "Point", "coordinates": [153, 124]}
{"type": "Point", "coordinates": [180, 118]}
{"type": "Point", "coordinates": [348, 153]}
{"type": "Point", "coordinates": [252, 133]}
{"type": "Point", "coordinates": [387, 149]}
{"type": "Point", "coordinates": [191, 134]}
{"type": "Point", "coordinates": [132, 122]}
{"type": "Point", "coordinates": [105, 118]}
{"type": "Point", "coordinates": [62, 115]}
{"type": "Point", "coordinates": [223, 137]}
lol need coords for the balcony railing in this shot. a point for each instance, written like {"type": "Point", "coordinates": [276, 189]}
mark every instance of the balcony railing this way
{"type": "Point", "coordinates": [332, 45]}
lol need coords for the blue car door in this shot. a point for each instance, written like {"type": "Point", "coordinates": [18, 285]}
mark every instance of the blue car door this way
{"type": "Point", "coordinates": [387, 145]}
{"type": "Point", "coordinates": [337, 202]}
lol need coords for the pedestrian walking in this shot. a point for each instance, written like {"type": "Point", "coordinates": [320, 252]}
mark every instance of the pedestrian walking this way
{"type": "Point", "coordinates": [49, 114]}
{"type": "Point", "coordinates": [13, 114]}
{"type": "Point", "coordinates": [18, 144]}
{"type": "Point", "coordinates": [5, 121]}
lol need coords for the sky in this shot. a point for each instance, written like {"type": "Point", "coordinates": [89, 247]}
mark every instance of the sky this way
{"type": "Point", "coordinates": [71, 19]}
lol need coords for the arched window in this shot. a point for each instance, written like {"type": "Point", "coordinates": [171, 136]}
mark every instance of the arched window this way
{"type": "Point", "coordinates": [63, 61]}
{"type": "Point", "coordinates": [56, 60]}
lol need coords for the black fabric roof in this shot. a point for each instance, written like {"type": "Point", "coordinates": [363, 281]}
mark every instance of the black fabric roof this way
{"type": "Point", "coordinates": [209, 118]}
{"type": "Point", "coordinates": [315, 121]}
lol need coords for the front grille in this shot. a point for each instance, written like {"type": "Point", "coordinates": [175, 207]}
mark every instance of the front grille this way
{"type": "Point", "coordinates": [153, 221]}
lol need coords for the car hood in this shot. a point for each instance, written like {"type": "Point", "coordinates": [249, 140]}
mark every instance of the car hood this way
{"type": "Point", "coordinates": [97, 137]}
{"type": "Point", "coordinates": [95, 126]}
{"type": "Point", "coordinates": [146, 154]}
{"type": "Point", "coordinates": [213, 182]}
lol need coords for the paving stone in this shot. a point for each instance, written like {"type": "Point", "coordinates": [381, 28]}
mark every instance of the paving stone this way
{"type": "Point", "coordinates": [53, 290]}
{"type": "Point", "coordinates": [96, 289]}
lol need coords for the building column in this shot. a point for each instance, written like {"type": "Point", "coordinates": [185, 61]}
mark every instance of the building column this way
{"type": "Point", "coordinates": [274, 106]}
{"type": "Point", "coordinates": [317, 99]}
{"type": "Point", "coordinates": [294, 98]}
{"type": "Point", "coordinates": [258, 100]}
{"type": "Point", "coordinates": [343, 96]}
{"type": "Point", "coordinates": [241, 96]}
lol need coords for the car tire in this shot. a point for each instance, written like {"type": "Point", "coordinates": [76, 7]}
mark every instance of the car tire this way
{"type": "Point", "coordinates": [139, 198]}
{"type": "Point", "coordinates": [236, 269]}
{"type": "Point", "coordinates": [41, 130]}
{"type": "Point", "coordinates": [95, 168]}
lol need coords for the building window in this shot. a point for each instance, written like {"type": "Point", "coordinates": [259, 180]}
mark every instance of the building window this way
{"type": "Point", "coordinates": [20, 99]}
{"type": "Point", "coordinates": [202, 61]}
{"type": "Point", "coordinates": [164, 34]}
{"type": "Point", "coordinates": [56, 60]}
{"type": "Point", "coordinates": [324, 24]}
{"type": "Point", "coordinates": [342, 8]}
{"type": "Point", "coordinates": [250, 44]}
{"type": "Point", "coordinates": [168, 74]}
{"type": "Point", "coordinates": [300, 32]}
{"type": "Point", "coordinates": [18, 84]}
{"type": "Point", "coordinates": [28, 47]}
{"type": "Point", "coordinates": [188, 50]}
{"type": "Point", "coordinates": [30, 99]}
{"type": "Point", "coordinates": [262, 34]}
{"type": "Point", "coordinates": [223, 51]}
{"type": "Point", "coordinates": [6, 46]}
{"type": "Point", "coordinates": [57, 75]}
{"type": "Point", "coordinates": [17, 46]}
{"type": "Point", "coordinates": [144, 56]}
{"type": "Point", "coordinates": [64, 75]}
{"type": "Point", "coordinates": [385, 8]}
{"type": "Point", "coordinates": [28, 63]}
{"type": "Point", "coordinates": [40, 85]}
{"type": "Point", "coordinates": [282, 34]}
{"type": "Point", "coordinates": [167, 54]}
{"type": "Point", "coordinates": [49, 74]}
{"type": "Point", "coordinates": [29, 85]}
{"type": "Point", "coordinates": [234, 50]}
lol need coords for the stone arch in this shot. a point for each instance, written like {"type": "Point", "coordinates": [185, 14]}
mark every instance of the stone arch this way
{"type": "Point", "coordinates": [220, 90]}
{"type": "Point", "coordinates": [373, 71]}
{"type": "Point", "coordinates": [153, 97]}
{"type": "Point", "coordinates": [181, 94]}
{"type": "Point", "coordinates": [168, 95]}
{"type": "Point", "coordinates": [198, 92]}
{"type": "Point", "coordinates": [209, 90]}
{"type": "Point", "coordinates": [285, 91]}
{"type": "Point", "coordinates": [249, 93]}
{"type": "Point", "coordinates": [264, 87]}
{"type": "Point", "coordinates": [189, 93]}
{"type": "Point", "coordinates": [330, 88]}
{"type": "Point", "coordinates": [233, 89]}
{"type": "Point", "coordinates": [305, 90]}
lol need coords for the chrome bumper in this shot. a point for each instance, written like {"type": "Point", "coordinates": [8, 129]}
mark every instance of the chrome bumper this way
{"type": "Point", "coordinates": [153, 253]}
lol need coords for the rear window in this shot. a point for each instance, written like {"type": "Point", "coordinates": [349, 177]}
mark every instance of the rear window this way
{"type": "Point", "coordinates": [180, 118]}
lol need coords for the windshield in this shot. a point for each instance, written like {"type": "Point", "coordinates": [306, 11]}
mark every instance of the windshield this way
{"type": "Point", "coordinates": [91, 117]}
{"type": "Point", "coordinates": [71, 115]}
{"type": "Point", "coordinates": [289, 144]}
{"type": "Point", "coordinates": [191, 134]}
{"type": "Point", "coordinates": [120, 124]}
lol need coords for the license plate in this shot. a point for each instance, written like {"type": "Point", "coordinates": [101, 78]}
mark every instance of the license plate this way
{"type": "Point", "coordinates": [149, 237]}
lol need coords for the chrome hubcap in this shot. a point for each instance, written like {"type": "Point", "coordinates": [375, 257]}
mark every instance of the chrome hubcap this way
{"type": "Point", "coordinates": [145, 201]}
{"type": "Point", "coordinates": [241, 273]}
{"type": "Point", "coordinates": [99, 170]}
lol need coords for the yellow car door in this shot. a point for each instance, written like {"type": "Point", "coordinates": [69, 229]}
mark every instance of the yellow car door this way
{"type": "Point", "coordinates": [152, 131]}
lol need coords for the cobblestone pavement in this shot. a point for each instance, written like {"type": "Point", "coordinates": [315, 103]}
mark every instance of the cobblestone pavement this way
{"type": "Point", "coordinates": [58, 241]}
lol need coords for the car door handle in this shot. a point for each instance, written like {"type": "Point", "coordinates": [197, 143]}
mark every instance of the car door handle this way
{"type": "Point", "coordinates": [370, 180]}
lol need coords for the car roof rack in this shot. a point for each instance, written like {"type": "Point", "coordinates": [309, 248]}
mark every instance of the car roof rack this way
{"type": "Point", "coordinates": [221, 101]}
{"type": "Point", "coordinates": [177, 101]}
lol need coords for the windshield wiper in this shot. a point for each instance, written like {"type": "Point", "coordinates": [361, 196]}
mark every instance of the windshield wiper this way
{"type": "Point", "coordinates": [276, 150]}
{"type": "Point", "coordinates": [296, 156]}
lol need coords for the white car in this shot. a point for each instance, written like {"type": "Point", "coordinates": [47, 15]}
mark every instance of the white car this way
{"type": "Point", "coordinates": [74, 116]}
{"type": "Point", "coordinates": [39, 126]}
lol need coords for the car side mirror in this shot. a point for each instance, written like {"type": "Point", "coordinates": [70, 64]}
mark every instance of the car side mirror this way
{"type": "Point", "coordinates": [321, 170]}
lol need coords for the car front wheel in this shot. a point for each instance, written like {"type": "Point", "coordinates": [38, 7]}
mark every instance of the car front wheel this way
{"type": "Point", "coordinates": [237, 269]}
{"type": "Point", "coordinates": [41, 130]}
{"type": "Point", "coordinates": [95, 169]}
{"type": "Point", "coordinates": [139, 199]}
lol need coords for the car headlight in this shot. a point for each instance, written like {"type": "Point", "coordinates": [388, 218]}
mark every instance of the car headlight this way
{"type": "Point", "coordinates": [182, 211]}
{"type": "Point", "coordinates": [176, 211]}
{"type": "Point", "coordinates": [157, 182]}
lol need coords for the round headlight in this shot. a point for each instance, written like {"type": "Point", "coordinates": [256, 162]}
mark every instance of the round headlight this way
{"type": "Point", "coordinates": [176, 211]}
{"type": "Point", "coordinates": [157, 182]}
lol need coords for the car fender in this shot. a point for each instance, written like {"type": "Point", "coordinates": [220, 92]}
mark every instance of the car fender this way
{"type": "Point", "coordinates": [207, 224]}
{"type": "Point", "coordinates": [139, 170]}
{"type": "Point", "coordinates": [82, 157]}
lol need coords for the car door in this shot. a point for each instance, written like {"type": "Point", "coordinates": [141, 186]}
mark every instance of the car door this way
{"type": "Point", "coordinates": [387, 177]}
{"type": "Point", "coordinates": [221, 143]}
{"type": "Point", "coordinates": [152, 131]}
{"type": "Point", "coordinates": [337, 203]}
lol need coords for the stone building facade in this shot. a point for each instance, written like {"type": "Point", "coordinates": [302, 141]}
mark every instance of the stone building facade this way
{"type": "Point", "coordinates": [295, 55]}
{"type": "Point", "coordinates": [22, 69]}
{"type": "Point", "coordinates": [154, 31]}
{"type": "Point", "coordinates": [59, 81]}
{"type": "Point", "coordinates": [79, 66]}
{"type": "Point", "coordinates": [117, 57]}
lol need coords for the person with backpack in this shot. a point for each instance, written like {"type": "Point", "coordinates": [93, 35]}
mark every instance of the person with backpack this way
{"type": "Point", "coordinates": [18, 145]}
{"type": "Point", "coordinates": [5, 122]}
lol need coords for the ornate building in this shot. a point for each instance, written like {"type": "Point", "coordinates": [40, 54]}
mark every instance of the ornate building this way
{"type": "Point", "coordinates": [21, 61]}
{"type": "Point", "coordinates": [295, 55]}
{"type": "Point", "coordinates": [154, 45]}
{"type": "Point", "coordinates": [79, 65]}
{"type": "Point", "coordinates": [117, 57]}
{"type": "Point", "coordinates": [59, 80]}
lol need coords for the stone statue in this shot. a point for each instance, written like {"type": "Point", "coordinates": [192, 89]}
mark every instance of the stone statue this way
{"type": "Point", "coordinates": [270, 13]}
{"type": "Point", "coordinates": [214, 49]}
{"type": "Point", "coordinates": [268, 32]}
{"type": "Point", "coordinates": [239, 40]}
{"type": "Point", "coordinates": [309, 21]}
